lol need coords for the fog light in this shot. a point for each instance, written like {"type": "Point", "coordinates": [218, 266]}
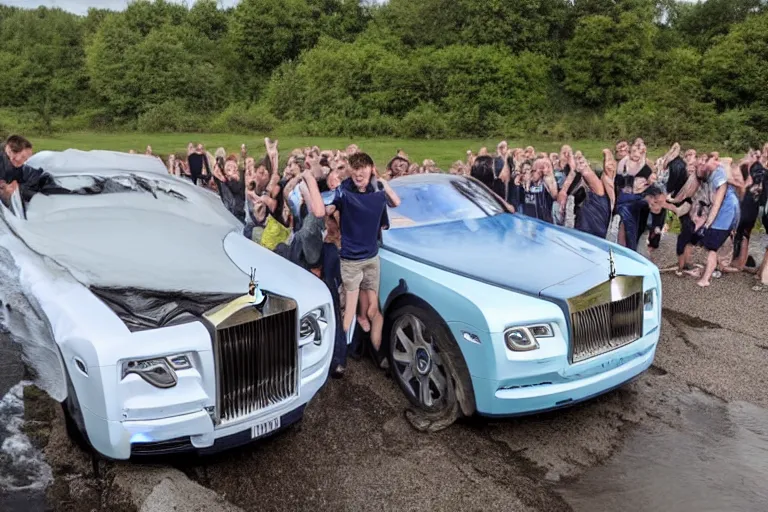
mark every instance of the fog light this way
{"type": "Point", "coordinates": [180, 362]}
{"type": "Point", "coordinates": [541, 331]}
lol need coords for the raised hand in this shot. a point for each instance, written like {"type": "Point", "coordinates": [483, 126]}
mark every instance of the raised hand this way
{"type": "Point", "coordinates": [609, 163]}
{"type": "Point", "coordinates": [270, 145]}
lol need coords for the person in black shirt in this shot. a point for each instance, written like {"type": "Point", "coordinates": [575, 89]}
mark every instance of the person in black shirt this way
{"type": "Point", "coordinates": [16, 151]}
{"type": "Point", "coordinates": [678, 170]}
{"type": "Point", "coordinates": [196, 162]}
{"type": "Point", "coordinates": [595, 214]}
{"type": "Point", "coordinates": [232, 188]}
{"type": "Point", "coordinates": [539, 189]}
{"type": "Point", "coordinates": [633, 176]}
{"type": "Point", "coordinates": [754, 174]}
{"type": "Point", "coordinates": [504, 170]}
{"type": "Point", "coordinates": [573, 185]}
{"type": "Point", "coordinates": [16, 175]}
{"type": "Point", "coordinates": [482, 170]}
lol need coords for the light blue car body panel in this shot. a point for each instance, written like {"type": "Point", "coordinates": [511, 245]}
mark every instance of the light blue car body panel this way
{"type": "Point", "coordinates": [485, 275]}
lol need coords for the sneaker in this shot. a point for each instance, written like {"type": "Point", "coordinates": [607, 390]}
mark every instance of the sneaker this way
{"type": "Point", "coordinates": [379, 359]}
{"type": "Point", "coordinates": [338, 371]}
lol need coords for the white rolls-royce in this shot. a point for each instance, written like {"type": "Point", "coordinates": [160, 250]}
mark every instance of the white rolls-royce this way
{"type": "Point", "coordinates": [171, 331]}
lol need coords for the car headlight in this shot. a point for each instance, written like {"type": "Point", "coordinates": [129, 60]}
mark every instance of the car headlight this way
{"type": "Point", "coordinates": [312, 326]}
{"type": "Point", "coordinates": [160, 372]}
{"type": "Point", "coordinates": [525, 339]}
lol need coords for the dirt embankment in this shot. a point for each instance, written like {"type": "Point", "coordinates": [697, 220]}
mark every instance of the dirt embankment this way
{"type": "Point", "coordinates": [84, 485]}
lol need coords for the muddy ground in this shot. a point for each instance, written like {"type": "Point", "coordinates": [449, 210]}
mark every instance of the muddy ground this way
{"type": "Point", "coordinates": [355, 450]}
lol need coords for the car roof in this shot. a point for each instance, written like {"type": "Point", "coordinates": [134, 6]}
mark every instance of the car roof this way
{"type": "Point", "coordinates": [75, 161]}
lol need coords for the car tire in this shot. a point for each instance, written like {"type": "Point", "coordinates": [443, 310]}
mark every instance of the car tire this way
{"type": "Point", "coordinates": [429, 368]}
{"type": "Point", "coordinates": [73, 417]}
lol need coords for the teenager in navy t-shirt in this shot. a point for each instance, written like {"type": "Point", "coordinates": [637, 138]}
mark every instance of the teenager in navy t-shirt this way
{"type": "Point", "coordinates": [361, 201]}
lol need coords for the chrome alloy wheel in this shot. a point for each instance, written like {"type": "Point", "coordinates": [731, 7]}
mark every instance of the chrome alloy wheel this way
{"type": "Point", "coordinates": [417, 361]}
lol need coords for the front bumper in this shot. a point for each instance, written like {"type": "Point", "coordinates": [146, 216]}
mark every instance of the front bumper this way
{"type": "Point", "coordinates": [568, 386]}
{"type": "Point", "coordinates": [184, 444]}
{"type": "Point", "coordinates": [195, 431]}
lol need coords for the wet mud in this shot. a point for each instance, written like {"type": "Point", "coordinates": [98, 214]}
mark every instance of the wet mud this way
{"type": "Point", "coordinates": [716, 461]}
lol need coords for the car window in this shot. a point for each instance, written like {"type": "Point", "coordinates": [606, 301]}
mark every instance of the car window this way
{"type": "Point", "coordinates": [442, 201]}
{"type": "Point", "coordinates": [89, 184]}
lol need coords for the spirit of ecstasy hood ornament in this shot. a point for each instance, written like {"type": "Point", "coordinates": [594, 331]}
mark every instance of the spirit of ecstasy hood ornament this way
{"type": "Point", "coordinates": [254, 290]}
{"type": "Point", "coordinates": [612, 273]}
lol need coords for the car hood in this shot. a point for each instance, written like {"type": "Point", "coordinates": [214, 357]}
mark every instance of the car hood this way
{"type": "Point", "coordinates": [157, 250]}
{"type": "Point", "coordinates": [516, 252]}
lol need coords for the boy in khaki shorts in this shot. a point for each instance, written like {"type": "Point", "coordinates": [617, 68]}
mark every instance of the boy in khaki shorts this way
{"type": "Point", "coordinates": [361, 201]}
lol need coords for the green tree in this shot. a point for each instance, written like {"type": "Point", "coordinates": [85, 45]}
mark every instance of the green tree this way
{"type": "Point", "coordinates": [106, 56]}
{"type": "Point", "coordinates": [133, 73]}
{"type": "Point", "coordinates": [340, 19]}
{"type": "Point", "coordinates": [42, 60]}
{"type": "Point", "coordinates": [734, 69]}
{"type": "Point", "coordinates": [143, 16]}
{"type": "Point", "coordinates": [702, 23]}
{"type": "Point", "coordinates": [606, 57]}
{"type": "Point", "coordinates": [670, 106]}
{"type": "Point", "coordinates": [207, 20]}
{"type": "Point", "coordinates": [521, 25]}
{"type": "Point", "coordinates": [265, 33]}
{"type": "Point", "coordinates": [423, 22]}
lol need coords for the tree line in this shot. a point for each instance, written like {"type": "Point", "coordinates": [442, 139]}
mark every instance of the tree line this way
{"type": "Point", "coordinates": [667, 69]}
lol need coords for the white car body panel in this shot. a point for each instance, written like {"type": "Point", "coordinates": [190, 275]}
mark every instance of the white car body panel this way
{"type": "Point", "coordinates": [56, 269]}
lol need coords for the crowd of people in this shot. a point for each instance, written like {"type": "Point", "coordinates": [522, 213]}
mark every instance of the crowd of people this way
{"type": "Point", "coordinates": [324, 212]}
{"type": "Point", "coordinates": [718, 201]}
{"type": "Point", "coordinates": [325, 209]}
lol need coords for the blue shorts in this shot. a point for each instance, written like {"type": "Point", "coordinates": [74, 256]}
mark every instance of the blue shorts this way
{"type": "Point", "coordinates": [714, 239]}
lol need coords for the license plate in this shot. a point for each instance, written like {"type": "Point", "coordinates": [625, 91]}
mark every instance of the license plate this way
{"type": "Point", "coordinates": [265, 428]}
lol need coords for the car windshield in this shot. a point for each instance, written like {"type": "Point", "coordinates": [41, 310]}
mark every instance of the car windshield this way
{"type": "Point", "coordinates": [442, 201]}
{"type": "Point", "coordinates": [88, 184]}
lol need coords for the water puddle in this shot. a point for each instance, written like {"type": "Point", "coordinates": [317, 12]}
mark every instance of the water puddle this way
{"type": "Point", "coordinates": [717, 461]}
{"type": "Point", "coordinates": [24, 475]}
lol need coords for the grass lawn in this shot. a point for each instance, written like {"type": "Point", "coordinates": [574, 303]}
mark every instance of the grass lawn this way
{"type": "Point", "coordinates": [444, 152]}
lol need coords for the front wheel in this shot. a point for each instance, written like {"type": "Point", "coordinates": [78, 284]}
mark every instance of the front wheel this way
{"type": "Point", "coordinates": [430, 369]}
{"type": "Point", "coordinates": [73, 417]}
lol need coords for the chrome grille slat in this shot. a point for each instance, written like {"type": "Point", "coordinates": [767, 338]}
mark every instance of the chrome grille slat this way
{"type": "Point", "coordinates": [605, 327]}
{"type": "Point", "coordinates": [257, 364]}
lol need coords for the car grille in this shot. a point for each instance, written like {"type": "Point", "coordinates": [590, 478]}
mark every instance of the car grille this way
{"type": "Point", "coordinates": [611, 317]}
{"type": "Point", "coordinates": [256, 360]}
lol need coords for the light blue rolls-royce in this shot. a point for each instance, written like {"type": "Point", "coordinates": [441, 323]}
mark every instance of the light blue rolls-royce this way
{"type": "Point", "coordinates": [500, 314]}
